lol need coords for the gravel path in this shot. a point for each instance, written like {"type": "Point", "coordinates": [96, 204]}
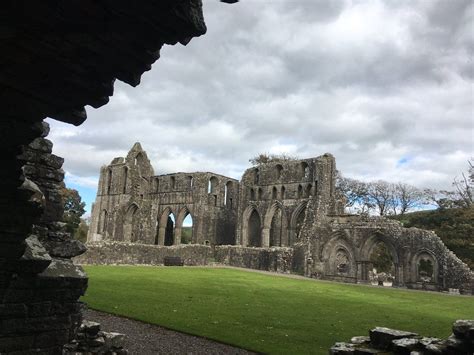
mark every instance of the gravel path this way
{"type": "Point", "coordinates": [145, 339]}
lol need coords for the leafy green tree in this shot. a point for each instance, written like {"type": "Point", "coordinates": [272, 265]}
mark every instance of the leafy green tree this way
{"type": "Point", "coordinates": [74, 208]}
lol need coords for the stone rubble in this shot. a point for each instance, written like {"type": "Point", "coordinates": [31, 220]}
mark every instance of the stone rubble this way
{"type": "Point", "coordinates": [91, 340]}
{"type": "Point", "coordinates": [397, 342]}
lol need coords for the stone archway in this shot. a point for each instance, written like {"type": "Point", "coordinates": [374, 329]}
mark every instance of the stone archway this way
{"type": "Point", "coordinates": [275, 229]}
{"type": "Point", "coordinates": [251, 230]}
{"type": "Point", "coordinates": [129, 222]}
{"type": "Point", "coordinates": [425, 268]}
{"type": "Point", "coordinates": [166, 228]}
{"type": "Point", "coordinates": [382, 244]}
{"type": "Point", "coordinates": [182, 215]}
{"type": "Point", "coordinates": [339, 258]}
{"type": "Point", "coordinates": [296, 223]}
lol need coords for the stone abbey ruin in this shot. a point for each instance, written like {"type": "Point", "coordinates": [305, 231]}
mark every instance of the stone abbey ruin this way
{"type": "Point", "coordinates": [58, 57]}
{"type": "Point", "coordinates": [281, 216]}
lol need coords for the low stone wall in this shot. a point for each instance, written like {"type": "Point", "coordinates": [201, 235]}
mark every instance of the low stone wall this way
{"type": "Point", "coordinates": [106, 253]}
{"type": "Point", "coordinates": [269, 259]}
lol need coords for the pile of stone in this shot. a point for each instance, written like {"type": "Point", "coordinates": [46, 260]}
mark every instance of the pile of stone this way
{"type": "Point", "coordinates": [390, 341]}
{"type": "Point", "coordinates": [91, 340]}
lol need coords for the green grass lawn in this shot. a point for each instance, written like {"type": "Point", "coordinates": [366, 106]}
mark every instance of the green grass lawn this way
{"type": "Point", "coordinates": [266, 313]}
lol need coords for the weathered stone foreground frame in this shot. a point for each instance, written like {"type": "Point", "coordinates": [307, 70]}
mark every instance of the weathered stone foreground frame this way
{"type": "Point", "coordinates": [57, 57]}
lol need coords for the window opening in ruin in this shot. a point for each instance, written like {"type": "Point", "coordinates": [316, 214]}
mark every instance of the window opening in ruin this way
{"type": "Point", "coordinates": [383, 272]}
{"type": "Point", "coordinates": [252, 194]}
{"type": "Point", "coordinates": [315, 187]}
{"type": "Point", "coordinates": [300, 191]}
{"type": "Point", "coordinates": [425, 267]}
{"type": "Point", "coordinates": [299, 222]}
{"type": "Point", "coordinates": [276, 229]}
{"type": "Point", "coordinates": [256, 176]}
{"type": "Point", "coordinates": [187, 229]}
{"type": "Point", "coordinates": [125, 178]}
{"type": "Point", "coordinates": [212, 185]}
{"type": "Point", "coordinates": [169, 231]}
{"type": "Point", "coordinates": [227, 193]}
{"type": "Point", "coordinates": [282, 192]}
{"type": "Point", "coordinates": [129, 223]}
{"type": "Point", "coordinates": [157, 188]}
{"type": "Point", "coordinates": [259, 194]}
{"type": "Point", "coordinates": [173, 183]}
{"type": "Point", "coordinates": [308, 190]}
{"type": "Point", "coordinates": [157, 233]}
{"type": "Point", "coordinates": [305, 170]}
{"type": "Point", "coordinates": [109, 181]}
{"type": "Point", "coordinates": [342, 261]}
{"type": "Point", "coordinates": [190, 182]}
{"type": "Point", "coordinates": [254, 230]}
{"type": "Point", "coordinates": [215, 200]}
{"type": "Point", "coordinates": [274, 193]}
{"type": "Point", "coordinates": [279, 169]}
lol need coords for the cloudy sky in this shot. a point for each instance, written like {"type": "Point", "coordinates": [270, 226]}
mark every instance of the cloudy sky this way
{"type": "Point", "coordinates": [385, 86]}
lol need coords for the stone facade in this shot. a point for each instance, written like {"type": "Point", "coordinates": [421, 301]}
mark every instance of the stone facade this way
{"type": "Point", "coordinates": [134, 205]}
{"type": "Point", "coordinates": [292, 206]}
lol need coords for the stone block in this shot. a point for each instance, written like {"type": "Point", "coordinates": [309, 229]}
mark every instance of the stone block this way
{"type": "Point", "coordinates": [382, 337]}
{"type": "Point", "coordinates": [462, 328]}
{"type": "Point", "coordinates": [342, 349]}
{"type": "Point", "coordinates": [90, 328]}
{"type": "Point", "coordinates": [405, 346]}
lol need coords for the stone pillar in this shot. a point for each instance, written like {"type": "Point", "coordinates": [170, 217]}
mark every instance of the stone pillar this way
{"type": "Point", "coordinates": [177, 236]}
{"type": "Point", "coordinates": [265, 237]}
{"type": "Point", "coordinates": [161, 235]}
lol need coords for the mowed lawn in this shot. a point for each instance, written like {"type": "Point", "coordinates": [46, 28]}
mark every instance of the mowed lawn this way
{"type": "Point", "coordinates": [266, 313]}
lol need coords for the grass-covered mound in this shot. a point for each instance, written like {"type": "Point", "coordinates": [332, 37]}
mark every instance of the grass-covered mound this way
{"type": "Point", "coordinates": [270, 314]}
{"type": "Point", "coordinates": [455, 227]}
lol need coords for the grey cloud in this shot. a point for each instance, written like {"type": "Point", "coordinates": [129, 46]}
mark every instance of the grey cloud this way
{"type": "Point", "coordinates": [280, 75]}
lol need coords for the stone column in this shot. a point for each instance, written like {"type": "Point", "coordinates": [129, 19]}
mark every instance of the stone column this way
{"type": "Point", "coordinates": [177, 236]}
{"type": "Point", "coordinates": [265, 237]}
{"type": "Point", "coordinates": [161, 235]}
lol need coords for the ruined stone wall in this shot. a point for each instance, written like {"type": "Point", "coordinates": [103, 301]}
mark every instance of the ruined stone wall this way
{"type": "Point", "coordinates": [110, 253]}
{"type": "Point", "coordinates": [40, 290]}
{"type": "Point", "coordinates": [340, 248]}
{"type": "Point", "coordinates": [134, 205]}
{"type": "Point", "coordinates": [282, 190]}
{"type": "Point", "coordinates": [268, 259]}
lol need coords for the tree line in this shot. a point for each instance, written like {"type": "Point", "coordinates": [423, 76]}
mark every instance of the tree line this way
{"type": "Point", "coordinates": [386, 198]}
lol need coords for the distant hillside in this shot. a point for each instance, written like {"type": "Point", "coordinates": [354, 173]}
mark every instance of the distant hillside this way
{"type": "Point", "coordinates": [454, 226]}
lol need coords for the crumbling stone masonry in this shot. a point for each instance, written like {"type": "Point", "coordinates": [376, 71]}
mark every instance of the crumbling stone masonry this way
{"type": "Point", "coordinates": [288, 205]}
{"type": "Point", "coordinates": [57, 57]}
{"type": "Point", "coordinates": [398, 342]}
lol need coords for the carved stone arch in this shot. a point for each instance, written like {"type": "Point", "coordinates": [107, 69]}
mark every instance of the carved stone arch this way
{"type": "Point", "coordinates": [246, 216]}
{"type": "Point", "coordinates": [424, 254]}
{"type": "Point", "coordinates": [271, 211]}
{"type": "Point", "coordinates": [128, 222]}
{"type": "Point", "coordinates": [369, 245]}
{"type": "Point", "coordinates": [296, 222]}
{"type": "Point", "coordinates": [339, 257]}
{"type": "Point", "coordinates": [167, 227]}
{"type": "Point", "coordinates": [164, 215]}
{"type": "Point", "coordinates": [182, 214]}
{"type": "Point", "coordinates": [343, 236]}
{"type": "Point", "coordinates": [375, 238]}
{"type": "Point", "coordinates": [275, 225]}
